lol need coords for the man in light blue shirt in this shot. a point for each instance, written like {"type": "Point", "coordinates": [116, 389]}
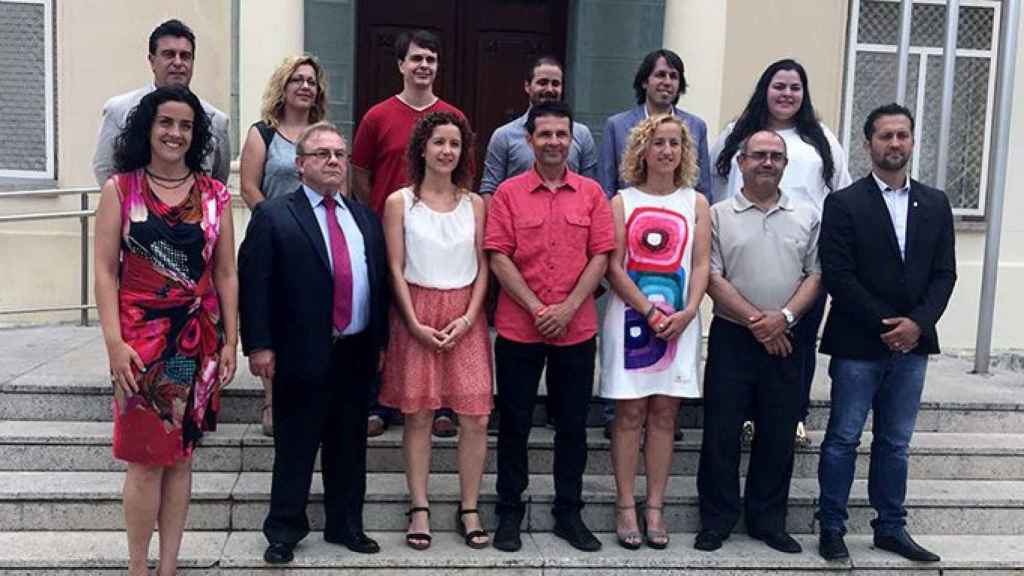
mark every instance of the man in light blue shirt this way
{"type": "Point", "coordinates": [508, 153]}
{"type": "Point", "coordinates": [658, 84]}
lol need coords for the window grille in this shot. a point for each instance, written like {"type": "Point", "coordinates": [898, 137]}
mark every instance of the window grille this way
{"type": "Point", "coordinates": [871, 74]}
{"type": "Point", "coordinates": [26, 89]}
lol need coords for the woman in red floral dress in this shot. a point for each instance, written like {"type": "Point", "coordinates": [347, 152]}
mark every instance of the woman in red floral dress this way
{"type": "Point", "coordinates": [167, 294]}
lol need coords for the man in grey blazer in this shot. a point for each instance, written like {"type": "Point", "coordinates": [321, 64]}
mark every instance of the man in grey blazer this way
{"type": "Point", "coordinates": [658, 83]}
{"type": "Point", "coordinates": [171, 54]}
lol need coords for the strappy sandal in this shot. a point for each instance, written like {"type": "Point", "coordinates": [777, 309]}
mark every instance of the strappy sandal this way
{"type": "Point", "coordinates": [471, 538]}
{"type": "Point", "coordinates": [417, 540]}
{"type": "Point", "coordinates": [631, 540]}
{"type": "Point", "coordinates": [657, 539]}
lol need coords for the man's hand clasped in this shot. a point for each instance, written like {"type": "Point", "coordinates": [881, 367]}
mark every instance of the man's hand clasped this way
{"type": "Point", "coordinates": [903, 336]}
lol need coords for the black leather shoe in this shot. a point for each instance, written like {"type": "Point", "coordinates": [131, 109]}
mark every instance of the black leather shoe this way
{"type": "Point", "coordinates": [278, 553]}
{"type": "Point", "coordinates": [779, 541]}
{"type": "Point", "coordinates": [358, 542]}
{"type": "Point", "coordinates": [506, 536]}
{"type": "Point", "coordinates": [831, 546]}
{"type": "Point", "coordinates": [901, 543]}
{"type": "Point", "coordinates": [709, 540]}
{"type": "Point", "coordinates": [572, 529]}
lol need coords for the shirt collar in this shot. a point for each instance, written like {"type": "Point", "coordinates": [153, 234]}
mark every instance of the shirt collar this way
{"type": "Point", "coordinates": [315, 199]}
{"type": "Point", "coordinates": [643, 107]}
{"type": "Point", "coordinates": [886, 188]}
{"type": "Point", "coordinates": [535, 182]}
{"type": "Point", "coordinates": [741, 202]}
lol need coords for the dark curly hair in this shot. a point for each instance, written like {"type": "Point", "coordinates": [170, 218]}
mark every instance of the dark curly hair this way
{"type": "Point", "coordinates": [756, 115]}
{"type": "Point", "coordinates": [462, 176]}
{"type": "Point", "coordinates": [132, 150]}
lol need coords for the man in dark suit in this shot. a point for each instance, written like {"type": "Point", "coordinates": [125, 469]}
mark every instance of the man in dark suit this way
{"type": "Point", "coordinates": [314, 303]}
{"type": "Point", "coordinates": [887, 259]}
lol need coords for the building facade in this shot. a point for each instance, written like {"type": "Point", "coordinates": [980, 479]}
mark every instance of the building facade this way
{"type": "Point", "coordinates": [63, 58]}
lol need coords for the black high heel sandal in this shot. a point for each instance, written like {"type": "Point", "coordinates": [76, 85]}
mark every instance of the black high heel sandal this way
{"type": "Point", "coordinates": [471, 537]}
{"type": "Point", "coordinates": [417, 540]}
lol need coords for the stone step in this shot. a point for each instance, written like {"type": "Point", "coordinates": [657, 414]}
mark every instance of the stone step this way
{"type": "Point", "coordinates": [29, 445]}
{"type": "Point", "coordinates": [222, 501]}
{"type": "Point", "coordinates": [61, 373]}
{"type": "Point", "coordinates": [543, 554]}
{"type": "Point", "coordinates": [32, 401]}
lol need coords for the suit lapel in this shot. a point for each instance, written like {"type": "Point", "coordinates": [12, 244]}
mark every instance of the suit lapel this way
{"type": "Point", "coordinates": [884, 218]}
{"type": "Point", "coordinates": [303, 213]}
{"type": "Point", "coordinates": [916, 219]}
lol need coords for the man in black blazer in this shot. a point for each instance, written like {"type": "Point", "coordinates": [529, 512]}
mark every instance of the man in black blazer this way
{"type": "Point", "coordinates": [314, 304]}
{"type": "Point", "coordinates": [888, 261]}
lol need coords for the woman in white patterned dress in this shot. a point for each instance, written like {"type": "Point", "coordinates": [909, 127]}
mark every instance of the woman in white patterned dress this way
{"type": "Point", "coordinates": [650, 344]}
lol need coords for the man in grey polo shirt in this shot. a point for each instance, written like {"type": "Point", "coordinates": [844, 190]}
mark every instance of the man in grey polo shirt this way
{"type": "Point", "coordinates": [764, 275]}
{"type": "Point", "coordinates": [508, 153]}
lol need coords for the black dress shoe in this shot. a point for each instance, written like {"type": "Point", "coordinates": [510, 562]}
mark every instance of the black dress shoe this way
{"type": "Point", "coordinates": [572, 529]}
{"type": "Point", "coordinates": [358, 542]}
{"type": "Point", "coordinates": [779, 541]}
{"type": "Point", "coordinates": [831, 546]}
{"type": "Point", "coordinates": [506, 536]}
{"type": "Point", "coordinates": [709, 540]}
{"type": "Point", "coordinates": [901, 543]}
{"type": "Point", "coordinates": [278, 553]}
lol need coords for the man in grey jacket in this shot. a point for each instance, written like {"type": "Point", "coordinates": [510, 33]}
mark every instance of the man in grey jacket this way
{"type": "Point", "coordinates": [171, 55]}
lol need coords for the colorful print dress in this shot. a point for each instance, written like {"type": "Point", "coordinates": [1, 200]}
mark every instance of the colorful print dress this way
{"type": "Point", "coordinates": [170, 315]}
{"type": "Point", "coordinates": [659, 253]}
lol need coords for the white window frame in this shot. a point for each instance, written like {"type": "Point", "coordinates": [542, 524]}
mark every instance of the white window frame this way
{"type": "Point", "coordinates": [48, 173]}
{"type": "Point", "coordinates": [924, 54]}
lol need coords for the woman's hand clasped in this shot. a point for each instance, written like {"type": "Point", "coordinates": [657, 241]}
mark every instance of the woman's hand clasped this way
{"type": "Point", "coordinates": [428, 336]}
{"type": "Point", "coordinates": [670, 326]}
{"type": "Point", "coordinates": [453, 331]}
{"type": "Point", "coordinates": [124, 363]}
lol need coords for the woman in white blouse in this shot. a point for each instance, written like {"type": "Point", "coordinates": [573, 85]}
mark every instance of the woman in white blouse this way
{"type": "Point", "coordinates": [439, 353]}
{"type": "Point", "coordinates": [817, 166]}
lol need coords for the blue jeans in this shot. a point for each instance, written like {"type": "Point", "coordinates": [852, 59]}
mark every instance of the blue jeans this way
{"type": "Point", "coordinates": [891, 388]}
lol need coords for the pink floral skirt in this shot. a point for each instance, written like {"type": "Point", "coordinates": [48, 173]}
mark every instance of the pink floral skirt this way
{"type": "Point", "coordinates": [417, 378]}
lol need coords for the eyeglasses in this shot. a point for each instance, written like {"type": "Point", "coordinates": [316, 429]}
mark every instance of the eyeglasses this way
{"type": "Point", "coordinates": [325, 154]}
{"type": "Point", "coordinates": [761, 156]}
{"type": "Point", "coordinates": [303, 81]}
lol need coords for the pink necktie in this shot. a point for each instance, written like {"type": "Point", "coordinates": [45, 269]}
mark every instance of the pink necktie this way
{"type": "Point", "coordinates": [342, 312]}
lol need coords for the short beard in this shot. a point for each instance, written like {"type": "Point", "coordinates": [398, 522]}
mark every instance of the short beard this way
{"type": "Point", "coordinates": [884, 163]}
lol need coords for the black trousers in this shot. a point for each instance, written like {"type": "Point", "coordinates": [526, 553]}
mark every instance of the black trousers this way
{"type": "Point", "coordinates": [329, 416]}
{"type": "Point", "coordinates": [741, 378]}
{"type": "Point", "coordinates": [570, 381]}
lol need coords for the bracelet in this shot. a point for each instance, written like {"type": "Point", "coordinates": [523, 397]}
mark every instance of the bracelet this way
{"type": "Point", "coordinates": [650, 312]}
{"type": "Point", "coordinates": [466, 320]}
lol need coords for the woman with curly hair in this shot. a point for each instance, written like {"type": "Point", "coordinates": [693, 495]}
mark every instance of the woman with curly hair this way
{"type": "Point", "coordinates": [167, 294]}
{"type": "Point", "coordinates": [295, 97]}
{"type": "Point", "coordinates": [817, 165]}
{"type": "Point", "coordinates": [650, 344]}
{"type": "Point", "coordinates": [439, 353]}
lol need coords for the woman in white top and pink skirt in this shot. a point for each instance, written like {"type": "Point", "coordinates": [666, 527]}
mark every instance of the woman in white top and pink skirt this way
{"type": "Point", "coordinates": [439, 352]}
{"type": "Point", "coordinates": [650, 344]}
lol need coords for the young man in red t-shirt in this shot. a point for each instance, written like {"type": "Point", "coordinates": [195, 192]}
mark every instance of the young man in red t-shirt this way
{"type": "Point", "coordinates": [379, 166]}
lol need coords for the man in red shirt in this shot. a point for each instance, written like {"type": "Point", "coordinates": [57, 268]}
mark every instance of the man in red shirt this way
{"type": "Point", "coordinates": [549, 233]}
{"type": "Point", "coordinates": [379, 167]}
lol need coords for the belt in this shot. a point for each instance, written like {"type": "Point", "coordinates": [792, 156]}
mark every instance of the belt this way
{"type": "Point", "coordinates": [337, 336]}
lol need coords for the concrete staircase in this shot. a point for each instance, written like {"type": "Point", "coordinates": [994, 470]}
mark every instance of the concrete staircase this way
{"type": "Point", "coordinates": [60, 510]}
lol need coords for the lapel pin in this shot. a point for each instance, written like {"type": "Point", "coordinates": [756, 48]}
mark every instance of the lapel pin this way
{"type": "Point", "coordinates": [915, 203]}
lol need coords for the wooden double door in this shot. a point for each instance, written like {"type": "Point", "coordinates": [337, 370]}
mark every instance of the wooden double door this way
{"type": "Point", "coordinates": [486, 46]}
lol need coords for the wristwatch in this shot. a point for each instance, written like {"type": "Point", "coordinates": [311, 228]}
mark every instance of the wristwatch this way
{"type": "Point", "coordinates": [789, 316]}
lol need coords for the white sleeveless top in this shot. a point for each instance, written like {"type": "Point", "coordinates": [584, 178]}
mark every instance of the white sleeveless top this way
{"type": "Point", "coordinates": [440, 247]}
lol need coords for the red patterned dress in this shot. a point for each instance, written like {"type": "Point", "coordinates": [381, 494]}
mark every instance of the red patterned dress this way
{"type": "Point", "coordinates": [170, 315]}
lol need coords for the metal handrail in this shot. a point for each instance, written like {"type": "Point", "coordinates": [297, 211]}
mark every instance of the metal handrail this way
{"type": "Point", "coordinates": [83, 216]}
